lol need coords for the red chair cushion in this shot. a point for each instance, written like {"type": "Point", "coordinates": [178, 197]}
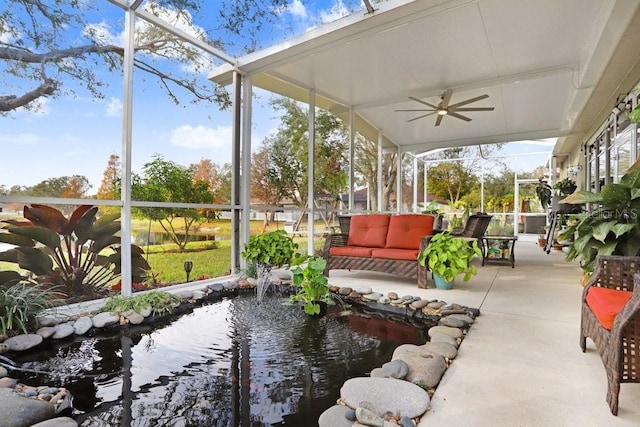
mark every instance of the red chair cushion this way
{"type": "Point", "coordinates": [392, 253]}
{"type": "Point", "coordinates": [606, 303]}
{"type": "Point", "coordinates": [406, 230]}
{"type": "Point", "coordinates": [358, 251]}
{"type": "Point", "coordinates": [368, 230]}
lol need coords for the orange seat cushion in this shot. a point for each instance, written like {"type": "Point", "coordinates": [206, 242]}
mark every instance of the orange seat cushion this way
{"type": "Point", "coordinates": [406, 230]}
{"type": "Point", "coordinates": [606, 303]}
{"type": "Point", "coordinates": [368, 230]}
{"type": "Point", "coordinates": [392, 253]}
{"type": "Point", "coordinates": [358, 251]}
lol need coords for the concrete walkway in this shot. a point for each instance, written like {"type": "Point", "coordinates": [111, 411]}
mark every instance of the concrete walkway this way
{"type": "Point", "coordinates": [520, 364]}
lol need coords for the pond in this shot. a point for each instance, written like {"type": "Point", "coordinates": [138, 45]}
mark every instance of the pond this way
{"type": "Point", "coordinates": [235, 362]}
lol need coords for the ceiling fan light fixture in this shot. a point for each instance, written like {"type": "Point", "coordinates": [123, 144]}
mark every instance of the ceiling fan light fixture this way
{"type": "Point", "coordinates": [442, 112]}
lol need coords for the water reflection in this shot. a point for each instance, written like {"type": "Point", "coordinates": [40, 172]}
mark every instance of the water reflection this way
{"type": "Point", "coordinates": [232, 363]}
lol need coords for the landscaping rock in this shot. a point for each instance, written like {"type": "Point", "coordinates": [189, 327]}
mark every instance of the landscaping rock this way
{"type": "Point", "coordinates": [335, 416]}
{"type": "Point", "coordinates": [23, 342]}
{"type": "Point", "coordinates": [216, 287]}
{"type": "Point", "coordinates": [63, 330]}
{"type": "Point", "coordinates": [419, 304]}
{"type": "Point", "coordinates": [185, 294]}
{"type": "Point", "coordinates": [57, 422]}
{"type": "Point", "coordinates": [46, 331]}
{"type": "Point", "coordinates": [6, 382]}
{"type": "Point", "coordinates": [3, 372]}
{"type": "Point", "coordinates": [52, 319]}
{"type": "Point", "coordinates": [135, 318]}
{"type": "Point", "coordinates": [82, 325]}
{"type": "Point", "coordinates": [386, 394]}
{"type": "Point", "coordinates": [447, 350]}
{"type": "Point", "coordinates": [463, 317]}
{"type": "Point", "coordinates": [368, 418]}
{"type": "Point", "coordinates": [454, 332]}
{"type": "Point", "coordinates": [372, 296]}
{"type": "Point", "coordinates": [440, 337]}
{"type": "Point", "coordinates": [453, 322]}
{"type": "Point", "coordinates": [364, 290]}
{"type": "Point", "coordinates": [102, 320]}
{"type": "Point", "coordinates": [230, 286]}
{"type": "Point", "coordinates": [425, 367]}
{"type": "Point", "coordinates": [395, 369]}
{"type": "Point", "coordinates": [18, 411]}
{"type": "Point", "coordinates": [345, 290]}
{"type": "Point", "coordinates": [378, 373]}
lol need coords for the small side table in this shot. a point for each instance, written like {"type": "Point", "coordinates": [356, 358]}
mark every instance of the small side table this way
{"type": "Point", "coordinates": [505, 244]}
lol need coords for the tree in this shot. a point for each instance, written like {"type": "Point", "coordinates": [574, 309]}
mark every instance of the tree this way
{"type": "Point", "coordinates": [166, 181]}
{"type": "Point", "coordinates": [366, 168]}
{"type": "Point", "coordinates": [110, 177]}
{"type": "Point", "coordinates": [46, 46]}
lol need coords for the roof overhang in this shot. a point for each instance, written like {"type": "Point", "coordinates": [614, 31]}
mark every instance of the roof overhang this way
{"type": "Point", "coordinates": [550, 68]}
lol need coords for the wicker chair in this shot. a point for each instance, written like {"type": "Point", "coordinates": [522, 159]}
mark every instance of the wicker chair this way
{"type": "Point", "coordinates": [476, 226]}
{"type": "Point", "coordinates": [619, 345]}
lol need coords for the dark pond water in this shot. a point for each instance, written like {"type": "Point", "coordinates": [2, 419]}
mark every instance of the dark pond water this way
{"type": "Point", "coordinates": [231, 363]}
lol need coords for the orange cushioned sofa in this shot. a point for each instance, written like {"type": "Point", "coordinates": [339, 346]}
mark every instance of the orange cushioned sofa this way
{"type": "Point", "coordinates": [379, 242]}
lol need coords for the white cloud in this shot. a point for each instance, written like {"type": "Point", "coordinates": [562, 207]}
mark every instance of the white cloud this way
{"type": "Point", "coordinates": [337, 11]}
{"type": "Point", "coordinates": [198, 137]}
{"type": "Point", "coordinates": [296, 8]}
{"type": "Point", "coordinates": [114, 107]}
{"type": "Point", "coordinates": [20, 139]}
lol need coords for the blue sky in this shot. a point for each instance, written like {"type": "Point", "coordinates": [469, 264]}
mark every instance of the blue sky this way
{"type": "Point", "coordinates": [75, 134]}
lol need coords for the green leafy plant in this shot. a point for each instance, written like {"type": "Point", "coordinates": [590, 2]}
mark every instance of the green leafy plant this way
{"type": "Point", "coordinates": [612, 228]}
{"type": "Point", "coordinates": [314, 286]}
{"type": "Point", "coordinates": [565, 186]}
{"type": "Point", "coordinates": [275, 249]}
{"type": "Point", "coordinates": [20, 303]}
{"type": "Point", "coordinates": [448, 256]}
{"type": "Point", "coordinates": [544, 192]}
{"type": "Point", "coordinates": [79, 256]}
{"type": "Point", "coordinates": [159, 302]}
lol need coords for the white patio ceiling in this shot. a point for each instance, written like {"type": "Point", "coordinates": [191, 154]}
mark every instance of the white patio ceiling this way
{"type": "Point", "coordinates": [540, 61]}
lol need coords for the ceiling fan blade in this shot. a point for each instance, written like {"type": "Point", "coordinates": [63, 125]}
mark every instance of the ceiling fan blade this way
{"type": "Point", "coordinates": [458, 116]}
{"type": "Point", "coordinates": [439, 119]}
{"type": "Point", "coordinates": [415, 110]}
{"type": "Point", "coordinates": [469, 101]}
{"type": "Point", "coordinates": [446, 97]}
{"type": "Point", "coordinates": [435, 107]}
{"type": "Point", "coordinates": [419, 117]}
{"type": "Point", "coordinates": [473, 109]}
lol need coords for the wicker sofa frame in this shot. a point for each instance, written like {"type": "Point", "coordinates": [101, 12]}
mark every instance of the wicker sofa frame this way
{"type": "Point", "coordinates": [402, 268]}
{"type": "Point", "coordinates": [619, 347]}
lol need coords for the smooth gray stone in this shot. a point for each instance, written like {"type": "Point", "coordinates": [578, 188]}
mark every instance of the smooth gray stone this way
{"type": "Point", "coordinates": [368, 418]}
{"type": "Point", "coordinates": [406, 422]}
{"type": "Point", "coordinates": [372, 296]}
{"type": "Point", "coordinates": [63, 330]}
{"type": "Point", "coordinates": [364, 290]}
{"type": "Point", "coordinates": [386, 394]}
{"type": "Point", "coordinates": [82, 325]}
{"type": "Point", "coordinates": [185, 294]}
{"type": "Point", "coordinates": [453, 322]}
{"type": "Point", "coordinates": [419, 304]}
{"type": "Point", "coordinates": [46, 331]}
{"type": "Point", "coordinates": [445, 349]}
{"type": "Point", "coordinates": [378, 373]}
{"type": "Point", "coordinates": [198, 295]}
{"type": "Point", "coordinates": [425, 367]}
{"type": "Point", "coordinates": [4, 348]}
{"type": "Point", "coordinates": [216, 287]}
{"type": "Point", "coordinates": [436, 304]}
{"type": "Point", "coordinates": [3, 372]}
{"type": "Point", "coordinates": [52, 319]}
{"type": "Point", "coordinates": [345, 290]}
{"type": "Point", "coordinates": [7, 382]}
{"type": "Point", "coordinates": [23, 342]}
{"type": "Point", "coordinates": [19, 411]}
{"type": "Point", "coordinates": [335, 416]}
{"type": "Point", "coordinates": [102, 320]}
{"type": "Point", "coordinates": [440, 337]}
{"type": "Point", "coordinates": [454, 332]}
{"type": "Point", "coordinates": [58, 422]}
{"type": "Point", "coordinates": [395, 369]}
{"type": "Point", "coordinates": [230, 285]}
{"type": "Point", "coordinates": [463, 317]}
{"type": "Point", "coordinates": [135, 318]}
{"type": "Point", "coordinates": [384, 300]}
{"type": "Point", "coordinates": [146, 312]}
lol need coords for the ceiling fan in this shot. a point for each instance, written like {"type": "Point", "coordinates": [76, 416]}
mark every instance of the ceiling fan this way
{"type": "Point", "coordinates": [446, 109]}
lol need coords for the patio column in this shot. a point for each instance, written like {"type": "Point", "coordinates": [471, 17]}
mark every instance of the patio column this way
{"type": "Point", "coordinates": [379, 170]}
{"type": "Point", "coordinates": [399, 180]}
{"type": "Point", "coordinates": [311, 165]}
{"type": "Point", "coordinates": [415, 184]}
{"type": "Point", "coordinates": [125, 172]}
{"type": "Point", "coordinates": [352, 138]}
{"type": "Point", "coordinates": [235, 174]}
{"type": "Point", "coordinates": [245, 199]}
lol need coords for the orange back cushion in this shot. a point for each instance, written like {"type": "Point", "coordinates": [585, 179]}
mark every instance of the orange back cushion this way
{"type": "Point", "coordinates": [368, 230]}
{"type": "Point", "coordinates": [406, 230]}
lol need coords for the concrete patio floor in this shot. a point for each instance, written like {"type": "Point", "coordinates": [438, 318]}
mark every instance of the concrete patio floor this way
{"type": "Point", "coordinates": [520, 364]}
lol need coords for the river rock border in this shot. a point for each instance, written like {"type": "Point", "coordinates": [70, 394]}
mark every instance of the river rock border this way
{"type": "Point", "coordinates": [397, 393]}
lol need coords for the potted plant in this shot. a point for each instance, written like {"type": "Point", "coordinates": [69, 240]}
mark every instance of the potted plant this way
{"type": "Point", "coordinates": [447, 257]}
{"type": "Point", "coordinates": [565, 186]}
{"type": "Point", "coordinates": [612, 228]}
{"type": "Point", "coordinates": [273, 249]}
{"type": "Point", "coordinates": [544, 192]}
{"type": "Point", "coordinates": [314, 290]}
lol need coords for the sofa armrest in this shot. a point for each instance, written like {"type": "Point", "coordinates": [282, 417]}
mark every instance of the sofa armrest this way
{"type": "Point", "coordinates": [424, 242]}
{"type": "Point", "coordinates": [333, 240]}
